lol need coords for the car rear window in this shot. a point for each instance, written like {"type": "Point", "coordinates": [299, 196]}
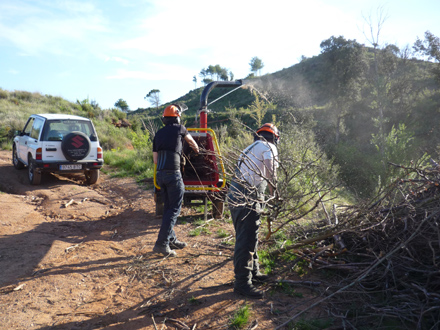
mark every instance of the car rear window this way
{"type": "Point", "coordinates": [56, 130]}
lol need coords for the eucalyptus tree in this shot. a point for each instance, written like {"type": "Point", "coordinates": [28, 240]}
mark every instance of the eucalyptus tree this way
{"type": "Point", "coordinates": [195, 81]}
{"type": "Point", "coordinates": [153, 97]}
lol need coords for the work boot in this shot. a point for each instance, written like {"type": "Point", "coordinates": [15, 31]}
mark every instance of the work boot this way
{"type": "Point", "coordinates": [165, 250]}
{"type": "Point", "coordinates": [177, 245]}
{"type": "Point", "coordinates": [259, 278]}
{"type": "Point", "coordinates": [248, 290]}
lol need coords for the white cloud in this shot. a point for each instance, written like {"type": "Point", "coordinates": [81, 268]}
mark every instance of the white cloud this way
{"type": "Point", "coordinates": [50, 27]}
{"type": "Point", "coordinates": [117, 59]}
{"type": "Point", "coordinates": [231, 32]}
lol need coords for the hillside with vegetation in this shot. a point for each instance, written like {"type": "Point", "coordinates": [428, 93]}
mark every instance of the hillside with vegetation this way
{"type": "Point", "coordinates": [366, 106]}
{"type": "Point", "coordinates": [358, 182]}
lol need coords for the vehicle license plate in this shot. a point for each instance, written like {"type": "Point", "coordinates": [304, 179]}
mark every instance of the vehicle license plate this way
{"type": "Point", "coordinates": [70, 167]}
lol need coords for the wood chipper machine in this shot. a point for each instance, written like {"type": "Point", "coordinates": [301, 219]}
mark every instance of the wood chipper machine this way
{"type": "Point", "coordinates": [204, 175]}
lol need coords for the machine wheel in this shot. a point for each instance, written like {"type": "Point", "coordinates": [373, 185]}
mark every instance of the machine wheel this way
{"type": "Point", "coordinates": [33, 174]}
{"type": "Point", "coordinates": [217, 209]}
{"type": "Point", "coordinates": [92, 176]}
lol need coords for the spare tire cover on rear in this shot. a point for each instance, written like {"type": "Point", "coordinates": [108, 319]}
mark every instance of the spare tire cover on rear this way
{"type": "Point", "coordinates": [75, 146]}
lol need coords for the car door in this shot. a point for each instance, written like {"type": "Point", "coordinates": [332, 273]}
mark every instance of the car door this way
{"type": "Point", "coordinates": [34, 137]}
{"type": "Point", "coordinates": [22, 145]}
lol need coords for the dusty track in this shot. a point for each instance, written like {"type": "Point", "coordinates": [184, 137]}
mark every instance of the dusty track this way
{"type": "Point", "coordinates": [90, 265]}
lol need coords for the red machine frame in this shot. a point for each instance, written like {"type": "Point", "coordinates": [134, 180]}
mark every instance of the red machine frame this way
{"type": "Point", "coordinates": [204, 174]}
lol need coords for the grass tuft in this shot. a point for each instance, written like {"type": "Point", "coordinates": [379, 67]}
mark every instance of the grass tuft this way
{"type": "Point", "coordinates": [240, 317]}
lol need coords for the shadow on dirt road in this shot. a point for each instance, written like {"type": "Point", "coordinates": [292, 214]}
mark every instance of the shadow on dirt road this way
{"type": "Point", "coordinates": [74, 256]}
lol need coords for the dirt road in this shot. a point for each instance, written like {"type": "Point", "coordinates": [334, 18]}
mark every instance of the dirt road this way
{"type": "Point", "coordinates": [89, 265]}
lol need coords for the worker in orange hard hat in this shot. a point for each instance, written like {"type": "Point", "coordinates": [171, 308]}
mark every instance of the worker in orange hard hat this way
{"type": "Point", "coordinates": [274, 134]}
{"type": "Point", "coordinates": [167, 151]}
{"type": "Point", "coordinates": [255, 171]}
{"type": "Point", "coordinates": [172, 113]}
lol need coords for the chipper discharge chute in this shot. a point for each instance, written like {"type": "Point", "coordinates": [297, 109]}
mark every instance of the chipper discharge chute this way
{"type": "Point", "coordinates": [204, 174]}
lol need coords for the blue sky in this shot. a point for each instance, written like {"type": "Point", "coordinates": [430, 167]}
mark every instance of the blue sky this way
{"type": "Point", "coordinates": [105, 50]}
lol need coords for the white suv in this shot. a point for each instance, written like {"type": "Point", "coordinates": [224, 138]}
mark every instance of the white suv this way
{"type": "Point", "coordinates": [58, 143]}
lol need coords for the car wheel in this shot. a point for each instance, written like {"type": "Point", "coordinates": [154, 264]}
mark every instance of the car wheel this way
{"type": "Point", "coordinates": [33, 174]}
{"type": "Point", "coordinates": [92, 176]}
{"type": "Point", "coordinates": [17, 162]}
{"type": "Point", "coordinates": [75, 146]}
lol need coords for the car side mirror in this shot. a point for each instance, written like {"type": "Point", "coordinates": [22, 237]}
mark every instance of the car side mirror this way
{"type": "Point", "coordinates": [17, 132]}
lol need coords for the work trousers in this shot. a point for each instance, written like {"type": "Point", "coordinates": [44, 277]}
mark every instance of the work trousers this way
{"type": "Point", "coordinates": [245, 207]}
{"type": "Point", "coordinates": [172, 190]}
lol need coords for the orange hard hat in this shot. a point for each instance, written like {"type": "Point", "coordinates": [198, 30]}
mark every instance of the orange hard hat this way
{"type": "Point", "coordinates": [172, 111]}
{"type": "Point", "coordinates": [271, 128]}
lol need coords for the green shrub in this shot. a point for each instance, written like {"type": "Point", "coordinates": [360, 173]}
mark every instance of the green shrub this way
{"type": "Point", "coordinates": [267, 261]}
{"type": "Point", "coordinates": [141, 140]}
{"type": "Point", "coordinates": [4, 94]}
{"type": "Point", "coordinates": [128, 163]}
{"type": "Point", "coordinates": [288, 290]}
{"type": "Point", "coordinates": [194, 301]}
{"type": "Point", "coordinates": [22, 95]}
{"type": "Point", "coordinates": [112, 137]}
{"type": "Point", "coordinates": [118, 114]}
{"type": "Point", "coordinates": [6, 145]}
{"type": "Point", "coordinates": [221, 233]}
{"type": "Point", "coordinates": [240, 317]}
{"type": "Point", "coordinates": [195, 232]}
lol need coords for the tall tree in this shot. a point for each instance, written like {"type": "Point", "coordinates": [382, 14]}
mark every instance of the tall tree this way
{"type": "Point", "coordinates": [218, 72]}
{"type": "Point", "coordinates": [256, 65]}
{"type": "Point", "coordinates": [153, 97]}
{"type": "Point", "coordinates": [195, 81]}
{"type": "Point", "coordinates": [214, 72]}
{"type": "Point", "coordinates": [375, 24]}
{"type": "Point", "coordinates": [430, 47]}
{"type": "Point", "coordinates": [346, 65]}
{"type": "Point", "coordinates": [205, 76]}
{"type": "Point", "coordinates": [223, 74]}
{"type": "Point", "coordinates": [122, 104]}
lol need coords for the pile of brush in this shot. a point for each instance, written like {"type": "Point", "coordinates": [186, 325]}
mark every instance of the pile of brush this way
{"type": "Point", "coordinates": [387, 255]}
